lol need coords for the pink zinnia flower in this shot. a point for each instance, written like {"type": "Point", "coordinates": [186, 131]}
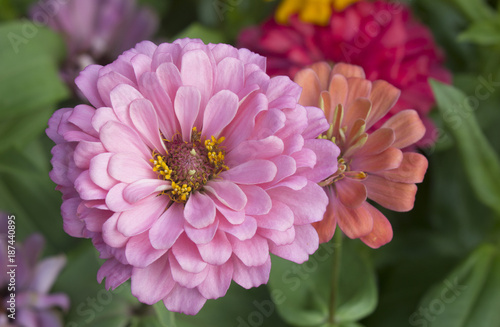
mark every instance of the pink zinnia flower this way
{"type": "Point", "coordinates": [95, 31]}
{"type": "Point", "coordinates": [190, 168]}
{"type": "Point", "coordinates": [379, 36]}
{"type": "Point", "coordinates": [34, 305]}
{"type": "Point", "coordinates": [371, 164]}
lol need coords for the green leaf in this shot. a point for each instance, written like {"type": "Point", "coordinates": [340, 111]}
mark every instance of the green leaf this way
{"type": "Point", "coordinates": [302, 292]}
{"type": "Point", "coordinates": [482, 32]}
{"type": "Point", "coordinates": [30, 85]}
{"type": "Point", "coordinates": [480, 160]}
{"type": "Point", "coordinates": [467, 297]}
{"type": "Point", "coordinates": [165, 317]}
{"type": "Point", "coordinates": [198, 31]}
{"type": "Point", "coordinates": [475, 10]}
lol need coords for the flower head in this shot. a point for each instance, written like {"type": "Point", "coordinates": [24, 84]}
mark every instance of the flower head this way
{"type": "Point", "coordinates": [34, 305]}
{"type": "Point", "coordinates": [189, 168]}
{"type": "Point", "coordinates": [379, 36]}
{"type": "Point", "coordinates": [95, 31]}
{"type": "Point", "coordinates": [310, 11]}
{"type": "Point", "coordinates": [371, 164]}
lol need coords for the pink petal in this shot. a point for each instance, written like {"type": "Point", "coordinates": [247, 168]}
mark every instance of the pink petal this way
{"type": "Point", "coordinates": [243, 231]}
{"type": "Point", "coordinates": [71, 223]}
{"type": "Point", "coordinates": [326, 160]}
{"type": "Point", "coordinates": [280, 86]}
{"type": "Point", "coordinates": [187, 106]}
{"type": "Point", "coordinates": [144, 118]}
{"type": "Point", "coordinates": [117, 137]}
{"type": "Point", "coordinates": [183, 277]}
{"type": "Point", "coordinates": [258, 201]}
{"type": "Point", "coordinates": [354, 222]}
{"type": "Point", "coordinates": [306, 242]}
{"type": "Point", "coordinates": [201, 235]}
{"type": "Point", "coordinates": [167, 229]}
{"type": "Point", "coordinates": [217, 251]}
{"type": "Point", "coordinates": [382, 230]}
{"type": "Point", "coordinates": [143, 188]}
{"type": "Point", "coordinates": [411, 170]}
{"type": "Point", "coordinates": [187, 255]}
{"type": "Point", "coordinates": [87, 83]}
{"type": "Point", "coordinates": [199, 210]}
{"type": "Point", "coordinates": [252, 252]}
{"type": "Point", "coordinates": [102, 116]}
{"type": "Point", "coordinates": [128, 168]}
{"type": "Point", "coordinates": [392, 195]}
{"type": "Point", "coordinates": [234, 217]}
{"type": "Point", "coordinates": [84, 152]}
{"type": "Point", "coordinates": [169, 78]}
{"type": "Point", "coordinates": [407, 126]}
{"type": "Point", "coordinates": [251, 172]}
{"type": "Point", "coordinates": [150, 86]}
{"type": "Point", "coordinates": [280, 217]}
{"type": "Point", "coordinates": [184, 300]}
{"type": "Point", "coordinates": [140, 253]}
{"type": "Point", "coordinates": [87, 189]}
{"type": "Point", "coordinates": [197, 70]}
{"type": "Point", "coordinates": [220, 111]}
{"type": "Point", "coordinates": [115, 273]}
{"type": "Point", "coordinates": [351, 193]}
{"type": "Point", "coordinates": [307, 204]}
{"type": "Point", "coordinates": [217, 282]}
{"type": "Point", "coordinates": [249, 277]}
{"type": "Point", "coordinates": [278, 237]}
{"type": "Point", "coordinates": [230, 75]}
{"type": "Point", "coordinates": [140, 218]}
{"type": "Point", "coordinates": [121, 98]}
{"type": "Point", "coordinates": [111, 235]}
{"type": "Point", "coordinates": [45, 273]}
{"type": "Point", "coordinates": [98, 170]}
{"type": "Point", "coordinates": [115, 200]}
{"type": "Point", "coordinates": [268, 147]}
{"type": "Point", "coordinates": [152, 283]}
{"type": "Point", "coordinates": [228, 193]}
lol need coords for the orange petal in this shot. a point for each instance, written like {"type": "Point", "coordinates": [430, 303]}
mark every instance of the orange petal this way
{"type": "Point", "coordinates": [378, 141]}
{"type": "Point", "coordinates": [338, 89]}
{"type": "Point", "coordinates": [327, 106]}
{"type": "Point", "coordinates": [348, 70]}
{"type": "Point", "coordinates": [359, 109]}
{"type": "Point", "coordinates": [383, 98]}
{"type": "Point", "coordinates": [407, 126]}
{"type": "Point", "coordinates": [358, 88]}
{"type": "Point", "coordinates": [411, 170]}
{"type": "Point", "coordinates": [309, 81]}
{"type": "Point", "coordinates": [386, 160]}
{"type": "Point", "coordinates": [354, 223]}
{"type": "Point", "coordinates": [350, 192]}
{"type": "Point", "coordinates": [323, 70]}
{"type": "Point", "coordinates": [326, 227]}
{"type": "Point", "coordinates": [382, 230]}
{"type": "Point", "coordinates": [392, 195]}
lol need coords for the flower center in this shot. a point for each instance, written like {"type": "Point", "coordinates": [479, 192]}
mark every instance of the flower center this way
{"type": "Point", "coordinates": [189, 165]}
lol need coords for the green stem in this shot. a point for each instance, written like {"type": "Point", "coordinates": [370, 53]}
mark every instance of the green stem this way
{"type": "Point", "coordinates": [336, 261]}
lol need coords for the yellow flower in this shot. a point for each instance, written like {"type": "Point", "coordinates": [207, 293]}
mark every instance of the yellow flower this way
{"type": "Point", "coordinates": [310, 11]}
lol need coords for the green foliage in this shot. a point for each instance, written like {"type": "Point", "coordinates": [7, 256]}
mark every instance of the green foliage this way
{"type": "Point", "coordinates": [480, 160]}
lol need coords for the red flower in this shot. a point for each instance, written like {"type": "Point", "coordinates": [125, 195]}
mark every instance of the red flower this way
{"type": "Point", "coordinates": [379, 36]}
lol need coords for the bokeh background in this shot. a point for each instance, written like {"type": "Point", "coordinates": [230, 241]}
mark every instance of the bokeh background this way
{"type": "Point", "coordinates": [442, 267]}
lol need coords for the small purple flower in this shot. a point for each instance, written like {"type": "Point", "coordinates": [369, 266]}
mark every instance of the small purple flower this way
{"type": "Point", "coordinates": [34, 306]}
{"type": "Point", "coordinates": [95, 31]}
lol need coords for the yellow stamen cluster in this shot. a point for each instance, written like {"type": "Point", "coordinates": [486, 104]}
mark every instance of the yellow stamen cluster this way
{"type": "Point", "coordinates": [181, 191]}
{"type": "Point", "coordinates": [215, 155]}
{"type": "Point", "coordinates": [160, 166]}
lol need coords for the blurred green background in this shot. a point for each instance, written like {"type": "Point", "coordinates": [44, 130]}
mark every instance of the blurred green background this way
{"type": "Point", "coordinates": [442, 267]}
